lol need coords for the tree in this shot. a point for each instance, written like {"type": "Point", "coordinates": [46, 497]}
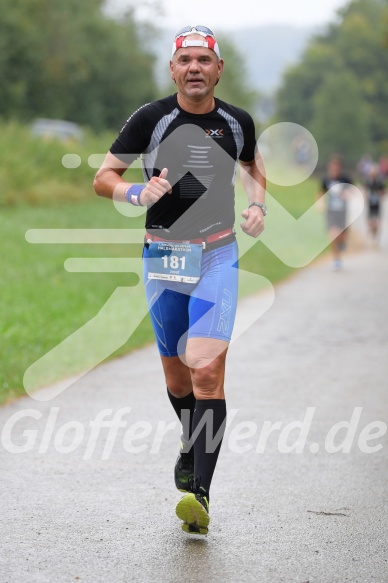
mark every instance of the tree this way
{"type": "Point", "coordinates": [70, 60]}
{"type": "Point", "coordinates": [233, 86]}
{"type": "Point", "coordinates": [340, 119]}
{"type": "Point", "coordinates": [355, 43]}
{"type": "Point", "coordinates": [302, 82]}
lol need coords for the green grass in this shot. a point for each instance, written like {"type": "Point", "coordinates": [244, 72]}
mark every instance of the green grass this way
{"type": "Point", "coordinates": [31, 169]}
{"type": "Point", "coordinates": [42, 303]}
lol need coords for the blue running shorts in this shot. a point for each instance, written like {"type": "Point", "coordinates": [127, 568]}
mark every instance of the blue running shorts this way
{"type": "Point", "coordinates": [206, 309]}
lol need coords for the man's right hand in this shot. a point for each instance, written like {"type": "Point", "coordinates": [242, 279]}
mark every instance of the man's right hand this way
{"type": "Point", "coordinates": [155, 189]}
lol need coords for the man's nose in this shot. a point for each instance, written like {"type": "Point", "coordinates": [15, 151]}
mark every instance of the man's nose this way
{"type": "Point", "coordinates": [194, 65]}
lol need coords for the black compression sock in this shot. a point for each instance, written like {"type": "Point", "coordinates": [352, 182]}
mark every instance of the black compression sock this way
{"type": "Point", "coordinates": [180, 405]}
{"type": "Point", "coordinates": [212, 413]}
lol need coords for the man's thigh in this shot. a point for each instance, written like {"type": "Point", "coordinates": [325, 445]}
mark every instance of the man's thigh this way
{"type": "Point", "coordinates": [213, 302]}
{"type": "Point", "coordinates": [169, 315]}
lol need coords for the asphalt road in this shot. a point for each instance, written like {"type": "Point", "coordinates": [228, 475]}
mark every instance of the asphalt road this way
{"type": "Point", "coordinates": [318, 356]}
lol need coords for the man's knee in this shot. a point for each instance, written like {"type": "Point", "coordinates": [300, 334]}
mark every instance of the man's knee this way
{"type": "Point", "coordinates": [179, 389]}
{"type": "Point", "coordinates": [178, 379]}
{"type": "Point", "coordinates": [208, 381]}
{"type": "Point", "coordinates": [206, 376]}
{"type": "Point", "coordinates": [206, 360]}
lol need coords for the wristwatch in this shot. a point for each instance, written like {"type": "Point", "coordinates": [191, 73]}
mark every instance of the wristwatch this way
{"type": "Point", "coordinates": [261, 205]}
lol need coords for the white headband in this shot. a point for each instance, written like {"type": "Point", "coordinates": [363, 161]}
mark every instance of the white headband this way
{"type": "Point", "coordinates": [209, 43]}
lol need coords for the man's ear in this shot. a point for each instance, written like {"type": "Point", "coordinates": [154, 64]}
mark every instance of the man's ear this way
{"type": "Point", "coordinates": [172, 72]}
{"type": "Point", "coordinates": [220, 69]}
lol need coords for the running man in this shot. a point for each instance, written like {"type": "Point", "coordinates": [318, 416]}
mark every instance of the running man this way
{"type": "Point", "coordinates": [375, 190]}
{"type": "Point", "coordinates": [335, 187]}
{"type": "Point", "coordinates": [190, 144]}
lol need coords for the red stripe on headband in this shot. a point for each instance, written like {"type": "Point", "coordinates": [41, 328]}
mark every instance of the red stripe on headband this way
{"type": "Point", "coordinates": [178, 42]}
{"type": "Point", "coordinates": [211, 42]}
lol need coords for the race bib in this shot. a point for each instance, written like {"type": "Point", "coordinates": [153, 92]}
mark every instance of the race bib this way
{"type": "Point", "coordinates": [175, 261]}
{"type": "Point", "coordinates": [337, 204]}
{"type": "Point", "coordinates": [337, 201]}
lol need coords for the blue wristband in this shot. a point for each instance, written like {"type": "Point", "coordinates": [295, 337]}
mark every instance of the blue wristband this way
{"type": "Point", "coordinates": [132, 194]}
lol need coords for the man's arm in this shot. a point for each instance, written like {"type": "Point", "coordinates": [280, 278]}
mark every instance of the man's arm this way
{"type": "Point", "coordinates": [109, 182]}
{"type": "Point", "coordinates": [254, 183]}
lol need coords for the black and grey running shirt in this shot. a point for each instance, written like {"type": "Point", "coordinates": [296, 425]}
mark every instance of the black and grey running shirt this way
{"type": "Point", "coordinates": [201, 154]}
{"type": "Point", "coordinates": [336, 188]}
{"type": "Point", "coordinates": [375, 187]}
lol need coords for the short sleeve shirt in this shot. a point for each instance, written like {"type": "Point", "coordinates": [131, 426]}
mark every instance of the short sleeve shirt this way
{"type": "Point", "coordinates": [336, 192]}
{"type": "Point", "coordinates": [375, 188]}
{"type": "Point", "coordinates": [200, 151]}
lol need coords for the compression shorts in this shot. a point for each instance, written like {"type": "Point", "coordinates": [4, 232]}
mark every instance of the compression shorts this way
{"type": "Point", "coordinates": [206, 309]}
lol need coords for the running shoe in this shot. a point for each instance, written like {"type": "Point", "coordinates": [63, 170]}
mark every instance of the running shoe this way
{"type": "Point", "coordinates": [193, 510]}
{"type": "Point", "coordinates": [184, 471]}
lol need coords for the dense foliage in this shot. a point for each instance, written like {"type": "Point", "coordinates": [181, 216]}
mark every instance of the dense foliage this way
{"type": "Point", "coordinates": [76, 61]}
{"type": "Point", "coordinates": [70, 60]}
{"type": "Point", "coordinates": [339, 90]}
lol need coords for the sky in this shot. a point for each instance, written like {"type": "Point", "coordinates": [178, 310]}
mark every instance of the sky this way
{"type": "Point", "coordinates": [220, 14]}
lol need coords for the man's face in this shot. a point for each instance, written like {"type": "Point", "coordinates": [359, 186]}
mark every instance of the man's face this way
{"type": "Point", "coordinates": [334, 169]}
{"type": "Point", "coordinates": [195, 70]}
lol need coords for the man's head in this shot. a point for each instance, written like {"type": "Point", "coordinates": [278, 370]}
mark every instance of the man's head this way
{"type": "Point", "coordinates": [334, 167]}
{"type": "Point", "coordinates": [196, 65]}
{"type": "Point", "coordinates": [374, 171]}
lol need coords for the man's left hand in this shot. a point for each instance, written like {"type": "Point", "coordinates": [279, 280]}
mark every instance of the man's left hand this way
{"type": "Point", "coordinates": [254, 221]}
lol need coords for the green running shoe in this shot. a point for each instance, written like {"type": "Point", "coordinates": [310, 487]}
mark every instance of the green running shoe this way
{"type": "Point", "coordinates": [193, 510]}
{"type": "Point", "coordinates": [184, 471]}
{"type": "Point", "coordinates": [192, 529]}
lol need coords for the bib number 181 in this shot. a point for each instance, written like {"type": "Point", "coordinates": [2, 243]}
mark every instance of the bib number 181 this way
{"type": "Point", "coordinates": [174, 262]}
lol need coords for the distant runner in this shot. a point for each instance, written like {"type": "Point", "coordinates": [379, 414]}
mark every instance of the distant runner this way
{"type": "Point", "coordinates": [375, 190]}
{"type": "Point", "coordinates": [336, 186]}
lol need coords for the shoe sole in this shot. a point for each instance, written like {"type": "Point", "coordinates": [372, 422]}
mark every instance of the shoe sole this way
{"type": "Point", "coordinates": [191, 529]}
{"type": "Point", "coordinates": [184, 490]}
{"type": "Point", "coordinates": [193, 514]}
